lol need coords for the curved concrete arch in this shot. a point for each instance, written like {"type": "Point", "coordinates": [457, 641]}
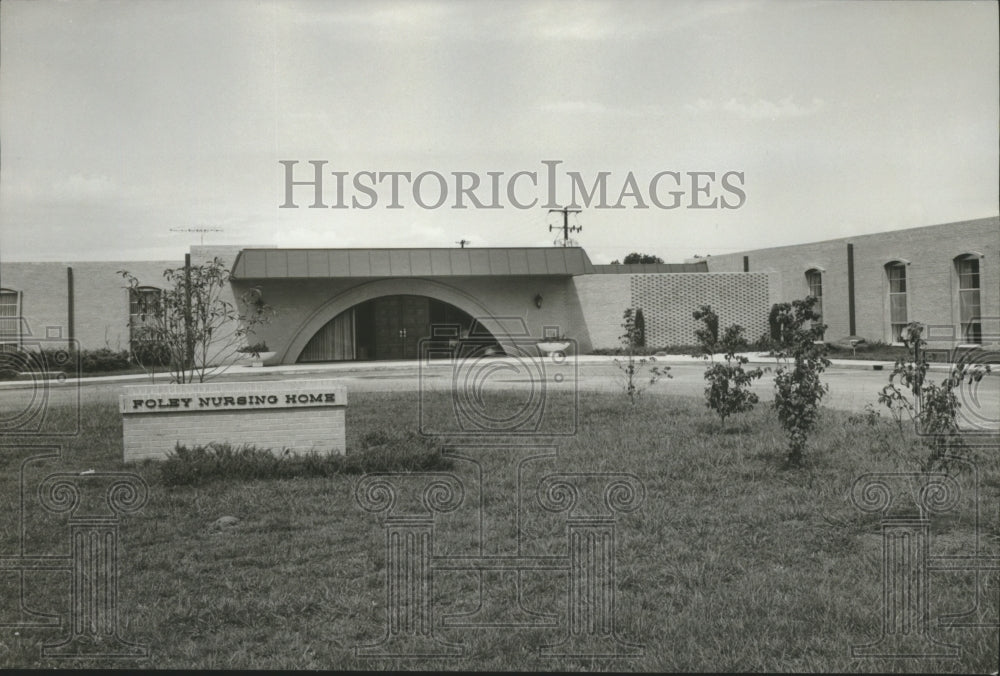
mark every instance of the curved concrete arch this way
{"type": "Point", "coordinates": [412, 286]}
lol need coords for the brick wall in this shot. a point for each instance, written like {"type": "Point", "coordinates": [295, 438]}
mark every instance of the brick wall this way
{"type": "Point", "coordinates": [153, 432]}
{"type": "Point", "coordinates": [932, 281]}
{"type": "Point", "coordinates": [668, 301]}
{"type": "Point", "coordinates": [100, 299]}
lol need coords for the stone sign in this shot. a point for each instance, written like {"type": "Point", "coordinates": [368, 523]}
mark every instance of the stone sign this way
{"type": "Point", "coordinates": [299, 415]}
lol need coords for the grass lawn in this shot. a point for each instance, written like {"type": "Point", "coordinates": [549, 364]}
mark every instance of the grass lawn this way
{"type": "Point", "coordinates": [733, 562]}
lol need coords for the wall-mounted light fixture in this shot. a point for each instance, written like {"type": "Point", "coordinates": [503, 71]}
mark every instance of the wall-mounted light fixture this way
{"type": "Point", "coordinates": [538, 300]}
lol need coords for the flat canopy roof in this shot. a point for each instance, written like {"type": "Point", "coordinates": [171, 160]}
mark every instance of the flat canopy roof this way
{"type": "Point", "coordinates": [496, 262]}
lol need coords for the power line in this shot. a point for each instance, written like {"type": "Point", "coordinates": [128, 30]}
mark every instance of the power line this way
{"type": "Point", "coordinates": [198, 230]}
{"type": "Point", "coordinates": [565, 227]}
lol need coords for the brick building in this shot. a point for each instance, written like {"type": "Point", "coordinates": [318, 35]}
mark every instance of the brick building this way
{"type": "Point", "coordinates": [363, 304]}
{"type": "Point", "coordinates": [944, 276]}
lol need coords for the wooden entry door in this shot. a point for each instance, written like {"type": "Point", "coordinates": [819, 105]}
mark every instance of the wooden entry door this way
{"type": "Point", "coordinates": [400, 323]}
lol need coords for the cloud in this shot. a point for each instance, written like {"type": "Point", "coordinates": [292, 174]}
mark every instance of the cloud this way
{"type": "Point", "coordinates": [79, 187]}
{"type": "Point", "coordinates": [598, 108]}
{"type": "Point", "coordinates": [758, 109]}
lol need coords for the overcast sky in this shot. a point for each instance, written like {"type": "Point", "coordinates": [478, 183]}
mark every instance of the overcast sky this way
{"type": "Point", "coordinates": [123, 121]}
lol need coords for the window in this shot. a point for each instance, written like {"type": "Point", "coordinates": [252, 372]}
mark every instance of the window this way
{"type": "Point", "coordinates": [896, 273]}
{"type": "Point", "coordinates": [970, 314]}
{"type": "Point", "coordinates": [10, 315]}
{"type": "Point", "coordinates": [814, 278]}
{"type": "Point", "coordinates": [142, 304]}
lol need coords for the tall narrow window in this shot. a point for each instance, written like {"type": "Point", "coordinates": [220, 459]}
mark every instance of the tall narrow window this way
{"type": "Point", "coordinates": [970, 313]}
{"type": "Point", "coordinates": [814, 278]}
{"type": "Point", "coordinates": [896, 272]}
{"type": "Point", "coordinates": [10, 316]}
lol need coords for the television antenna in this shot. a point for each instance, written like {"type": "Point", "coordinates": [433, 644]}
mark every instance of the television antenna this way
{"type": "Point", "coordinates": [201, 231]}
{"type": "Point", "coordinates": [463, 242]}
{"type": "Point", "coordinates": [565, 227]}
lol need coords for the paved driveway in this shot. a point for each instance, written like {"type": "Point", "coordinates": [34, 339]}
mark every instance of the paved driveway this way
{"type": "Point", "coordinates": [851, 387]}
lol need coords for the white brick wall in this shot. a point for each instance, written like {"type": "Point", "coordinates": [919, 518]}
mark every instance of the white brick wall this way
{"type": "Point", "coordinates": [668, 302]}
{"type": "Point", "coordinates": [151, 431]}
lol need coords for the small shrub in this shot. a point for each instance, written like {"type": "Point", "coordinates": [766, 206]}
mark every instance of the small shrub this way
{"type": "Point", "coordinates": [795, 330]}
{"type": "Point", "coordinates": [254, 350]}
{"type": "Point", "coordinates": [199, 465]}
{"type": "Point", "coordinates": [933, 408]}
{"type": "Point", "coordinates": [103, 360]}
{"type": "Point", "coordinates": [640, 329]}
{"type": "Point", "coordinates": [729, 383]}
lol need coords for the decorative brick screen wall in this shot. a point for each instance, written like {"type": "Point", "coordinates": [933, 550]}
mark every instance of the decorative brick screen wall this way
{"type": "Point", "coordinates": [300, 415]}
{"type": "Point", "coordinates": [668, 301]}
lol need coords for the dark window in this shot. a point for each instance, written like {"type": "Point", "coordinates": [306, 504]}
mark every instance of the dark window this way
{"type": "Point", "coordinates": [10, 315]}
{"type": "Point", "coordinates": [896, 272]}
{"type": "Point", "coordinates": [143, 306]}
{"type": "Point", "coordinates": [814, 279]}
{"type": "Point", "coordinates": [970, 313]}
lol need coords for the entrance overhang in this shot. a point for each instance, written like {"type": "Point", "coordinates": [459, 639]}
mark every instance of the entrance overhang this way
{"type": "Point", "coordinates": [382, 263]}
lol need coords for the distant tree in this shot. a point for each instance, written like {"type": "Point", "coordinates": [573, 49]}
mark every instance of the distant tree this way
{"type": "Point", "coordinates": [638, 258]}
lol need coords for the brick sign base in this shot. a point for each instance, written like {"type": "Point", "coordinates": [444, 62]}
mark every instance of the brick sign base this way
{"type": "Point", "coordinates": [300, 415]}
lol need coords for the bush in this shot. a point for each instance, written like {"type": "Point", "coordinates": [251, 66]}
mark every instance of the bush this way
{"type": "Point", "coordinates": [933, 408]}
{"type": "Point", "coordinates": [795, 330]}
{"type": "Point", "coordinates": [640, 329]}
{"type": "Point", "coordinates": [222, 462]}
{"type": "Point", "coordinates": [99, 361]}
{"type": "Point", "coordinates": [728, 391]}
{"type": "Point", "coordinates": [89, 361]}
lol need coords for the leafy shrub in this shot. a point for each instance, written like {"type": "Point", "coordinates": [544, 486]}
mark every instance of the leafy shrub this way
{"type": "Point", "coordinates": [795, 330]}
{"type": "Point", "coordinates": [255, 349]}
{"type": "Point", "coordinates": [103, 360]}
{"type": "Point", "coordinates": [932, 407]}
{"type": "Point", "coordinates": [222, 462]}
{"type": "Point", "coordinates": [728, 391]}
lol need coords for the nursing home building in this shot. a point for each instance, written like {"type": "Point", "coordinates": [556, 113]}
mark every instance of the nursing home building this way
{"type": "Point", "coordinates": [377, 304]}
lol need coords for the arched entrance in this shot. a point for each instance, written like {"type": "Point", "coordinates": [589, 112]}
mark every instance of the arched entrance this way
{"type": "Point", "coordinates": [391, 327]}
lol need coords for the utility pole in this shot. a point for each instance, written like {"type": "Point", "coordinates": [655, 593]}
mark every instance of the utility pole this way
{"type": "Point", "coordinates": [565, 227]}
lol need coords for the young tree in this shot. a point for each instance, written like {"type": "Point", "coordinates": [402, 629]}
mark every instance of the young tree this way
{"type": "Point", "coordinates": [728, 391]}
{"type": "Point", "coordinates": [933, 408]}
{"type": "Point", "coordinates": [631, 367]}
{"type": "Point", "coordinates": [796, 331]}
{"type": "Point", "coordinates": [190, 324]}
